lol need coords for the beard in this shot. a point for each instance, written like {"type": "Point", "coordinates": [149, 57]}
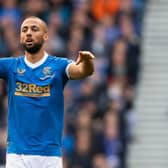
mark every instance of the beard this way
{"type": "Point", "coordinates": [34, 48]}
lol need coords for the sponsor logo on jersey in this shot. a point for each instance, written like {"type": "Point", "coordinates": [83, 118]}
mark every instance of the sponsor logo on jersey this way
{"type": "Point", "coordinates": [47, 73]}
{"type": "Point", "coordinates": [21, 71]}
{"type": "Point", "coordinates": [31, 90]}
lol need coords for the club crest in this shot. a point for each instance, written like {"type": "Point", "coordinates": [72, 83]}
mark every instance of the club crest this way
{"type": "Point", "coordinates": [47, 73]}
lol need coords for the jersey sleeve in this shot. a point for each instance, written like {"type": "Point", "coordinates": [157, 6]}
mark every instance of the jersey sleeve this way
{"type": "Point", "coordinates": [5, 64]}
{"type": "Point", "coordinates": [66, 63]}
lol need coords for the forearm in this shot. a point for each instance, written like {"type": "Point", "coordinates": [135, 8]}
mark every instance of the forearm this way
{"type": "Point", "coordinates": [83, 67]}
{"type": "Point", "coordinates": [86, 67]}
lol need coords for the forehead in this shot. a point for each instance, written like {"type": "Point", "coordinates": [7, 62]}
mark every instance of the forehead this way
{"type": "Point", "coordinates": [30, 22]}
{"type": "Point", "coordinates": [34, 22]}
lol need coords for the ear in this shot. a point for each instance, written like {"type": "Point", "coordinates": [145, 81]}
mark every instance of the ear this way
{"type": "Point", "coordinates": [45, 37]}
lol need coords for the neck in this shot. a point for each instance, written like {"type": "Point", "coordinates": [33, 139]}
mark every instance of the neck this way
{"type": "Point", "coordinates": [33, 58]}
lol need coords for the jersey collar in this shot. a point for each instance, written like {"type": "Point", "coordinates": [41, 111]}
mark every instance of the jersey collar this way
{"type": "Point", "coordinates": [37, 64]}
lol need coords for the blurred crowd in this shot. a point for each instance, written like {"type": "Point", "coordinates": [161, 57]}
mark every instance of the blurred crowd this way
{"type": "Point", "coordinates": [99, 116]}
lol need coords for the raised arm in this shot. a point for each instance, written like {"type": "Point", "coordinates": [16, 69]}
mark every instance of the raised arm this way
{"type": "Point", "coordinates": [83, 67]}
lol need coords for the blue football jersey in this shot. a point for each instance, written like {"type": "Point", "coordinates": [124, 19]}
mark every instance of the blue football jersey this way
{"type": "Point", "coordinates": [35, 105]}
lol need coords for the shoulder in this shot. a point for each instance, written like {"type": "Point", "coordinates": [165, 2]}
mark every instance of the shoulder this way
{"type": "Point", "coordinates": [7, 64]}
{"type": "Point", "coordinates": [59, 61]}
{"type": "Point", "coordinates": [13, 62]}
{"type": "Point", "coordinates": [11, 59]}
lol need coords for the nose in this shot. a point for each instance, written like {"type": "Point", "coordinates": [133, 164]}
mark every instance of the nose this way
{"type": "Point", "coordinates": [29, 33]}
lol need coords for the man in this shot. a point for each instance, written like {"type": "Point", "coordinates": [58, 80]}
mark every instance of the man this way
{"type": "Point", "coordinates": [35, 97]}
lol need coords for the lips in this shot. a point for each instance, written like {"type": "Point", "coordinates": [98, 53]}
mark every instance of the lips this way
{"type": "Point", "coordinates": [29, 40]}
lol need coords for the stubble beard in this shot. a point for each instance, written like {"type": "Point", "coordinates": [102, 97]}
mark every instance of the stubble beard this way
{"type": "Point", "coordinates": [34, 48]}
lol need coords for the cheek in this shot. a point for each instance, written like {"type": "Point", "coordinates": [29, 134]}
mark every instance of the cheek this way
{"type": "Point", "coordinates": [21, 38]}
{"type": "Point", "coordinates": [41, 39]}
{"type": "Point", "coordinates": [37, 37]}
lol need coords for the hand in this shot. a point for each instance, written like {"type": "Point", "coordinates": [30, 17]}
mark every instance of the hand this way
{"type": "Point", "coordinates": [84, 56]}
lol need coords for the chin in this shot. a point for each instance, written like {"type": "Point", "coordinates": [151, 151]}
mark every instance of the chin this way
{"type": "Point", "coordinates": [33, 48]}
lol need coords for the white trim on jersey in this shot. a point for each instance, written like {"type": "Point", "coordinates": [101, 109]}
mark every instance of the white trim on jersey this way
{"type": "Point", "coordinates": [67, 69]}
{"type": "Point", "coordinates": [33, 161]}
{"type": "Point", "coordinates": [37, 64]}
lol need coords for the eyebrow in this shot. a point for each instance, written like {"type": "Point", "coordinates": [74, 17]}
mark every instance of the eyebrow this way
{"type": "Point", "coordinates": [42, 25]}
{"type": "Point", "coordinates": [29, 26]}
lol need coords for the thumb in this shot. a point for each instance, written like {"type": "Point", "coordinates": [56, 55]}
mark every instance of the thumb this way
{"type": "Point", "coordinates": [78, 60]}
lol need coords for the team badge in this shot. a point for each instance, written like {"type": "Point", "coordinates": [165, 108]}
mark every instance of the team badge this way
{"type": "Point", "coordinates": [47, 73]}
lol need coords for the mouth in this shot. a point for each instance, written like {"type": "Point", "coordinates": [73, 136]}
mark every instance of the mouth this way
{"type": "Point", "coordinates": [29, 41]}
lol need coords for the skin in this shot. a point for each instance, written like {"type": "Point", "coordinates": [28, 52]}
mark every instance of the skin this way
{"type": "Point", "coordinates": [34, 31]}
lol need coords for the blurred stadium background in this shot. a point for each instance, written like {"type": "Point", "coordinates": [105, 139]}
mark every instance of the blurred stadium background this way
{"type": "Point", "coordinates": [118, 117]}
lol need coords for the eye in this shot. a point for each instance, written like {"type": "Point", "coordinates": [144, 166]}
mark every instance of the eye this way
{"type": "Point", "coordinates": [35, 28]}
{"type": "Point", "coordinates": [24, 29]}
